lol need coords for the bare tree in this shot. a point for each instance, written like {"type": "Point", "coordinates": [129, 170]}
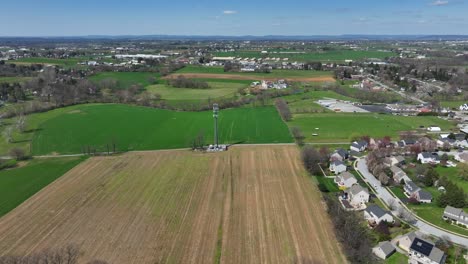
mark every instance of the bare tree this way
{"type": "Point", "coordinates": [8, 134]}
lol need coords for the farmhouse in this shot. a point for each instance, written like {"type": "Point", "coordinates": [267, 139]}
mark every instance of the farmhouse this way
{"type": "Point", "coordinates": [456, 215]}
{"type": "Point", "coordinates": [345, 180]}
{"type": "Point", "coordinates": [359, 146]}
{"type": "Point", "coordinates": [374, 215]}
{"type": "Point", "coordinates": [337, 167]}
{"type": "Point", "coordinates": [427, 157]}
{"type": "Point", "coordinates": [358, 196]}
{"type": "Point", "coordinates": [384, 250]}
{"type": "Point", "coordinates": [422, 251]}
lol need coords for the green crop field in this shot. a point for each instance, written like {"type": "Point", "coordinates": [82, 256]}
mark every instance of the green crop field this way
{"type": "Point", "coordinates": [273, 74]}
{"type": "Point", "coordinates": [14, 79]}
{"type": "Point", "coordinates": [339, 127]}
{"type": "Point", "coordinates": [126, 79]}
{"type": "Point", "coordinates": [62, 62]}
{"type": "Point", "coordinates": [18, 184]}
{"type": "Point", "coordinates": [68, 130]}
{"type": "Point", "coordinates": [334, 55]}
{"type": "Point", "coordinates": [217, 89]}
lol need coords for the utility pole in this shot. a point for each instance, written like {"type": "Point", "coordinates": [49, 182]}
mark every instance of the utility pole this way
{"type": "Point", "coordinates": [215, 116]}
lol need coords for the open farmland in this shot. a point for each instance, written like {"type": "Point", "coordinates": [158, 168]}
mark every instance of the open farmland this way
{"type": "Point", "coordinates": [324, 56]}
{"type": "Point", "coordinates": [70, 62]}
{"type": "Point", "coordinates": [340, 127]}
{"type": "Point", "coordinates": [247, 205]}
{"type": "Point", "coordinates": [14, 79]}
{"type": "Point", "coordinates": [126, 79]}
{"type": "Point", "coordinates": [18, 184]}
{"type": "Point", "coordinates": [216, 90]}
{"type": "Point", "coordinates": [197, 72]}
{"type": "Point", "coordinates": [69, 130]}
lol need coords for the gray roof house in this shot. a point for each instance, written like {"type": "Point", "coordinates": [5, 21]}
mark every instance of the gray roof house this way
{"type": "Point", "coordinates": [359, 146]}
{"type": "Point", "coordinates": [345, 180]}
{"type": "Point", "coordinates": [422, 251]}
{"type": "Point", "coordinates": [405, 241]}
{"type": "Point", "coordinates": [399, 174]}
{"type": "Point", "coordinates": [423, 196]}
{"type": "Point", "coordinates": [458, 216]}
{"type": "Point", "coordinates": [427, 157]}
{"type": "Point", "coordinates": [337, 167]}
{"type": "Point", "coordinates": [384, 250]}
{"type": "Point", "coordinates": [375, 214]}
{"type": "Point", "coordinates": [411, 187]}
{"type": "Point", "coordinates": [358, 195]}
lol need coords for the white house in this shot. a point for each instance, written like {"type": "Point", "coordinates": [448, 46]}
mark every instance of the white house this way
{"type": "Point", "coordinates": [456, 215]}
{"type": "Point", "coordinates": [359, 146]}
{"type": "Point", "coordinates": [358, 196]}
{"type": "Point", "coordinates": [374, 215]}
{"type": "Point", "coordinates": [462, 157]}
{"type": "Point", "coordinates": [405, 241]}
{"type": "Point", "coordinates": [399, 174]}
{"type": "Point", "coordinates": [384, 250]}
{"type": "Point", "coordinates": [337, 167]}
{"type": "Point", "coordinates": [413, 191]}
{"type": "Point", "coordinates": [339, 154]}
{"type": "Point", "coordinates": [427, 157]}
{"type": "Point", "coordinates": [464, 107]}
{"type": "Point", "coordinates": [424, 252]}
{"type": "Point", "coordinates": [345, 180]}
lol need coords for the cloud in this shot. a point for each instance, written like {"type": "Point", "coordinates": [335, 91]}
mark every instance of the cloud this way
{"type": "Point", "coordinates": [439, 3]}
{"type": "Point", "coordinates": [229, 12]}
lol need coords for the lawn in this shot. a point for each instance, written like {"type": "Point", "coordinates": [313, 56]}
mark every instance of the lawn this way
{"type": "Point", "coordinates": [333, 55]}
{"type": "Point", "coordinates": [14, 79]}
{"type": "Point", "coordinates": [433, 214]}
{"type": "Point", "coordinates": [452, 175]}
{"type": "Point", "coordinates": [452, 104]}
{"type": "Point", "coordinates": [18, 184]}
{"type": "Point", "coordinates": [340, 127]}
{"type": "Point", "coordinates": [217, 89]}
{"type": "Point", "coordinates": [255, 76]}
{"type": "Point", "coordinates": [327, 182]}
{"type": "Point", "coordinates": [69, 130]}
{"type": "Point", "coordinates": [126, 79]}
{"type": "Point", "coordinates": [397, 258]}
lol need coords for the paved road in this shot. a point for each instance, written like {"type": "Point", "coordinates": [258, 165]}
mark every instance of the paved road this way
{"type": "Point", "coordinates": [385, 195]}
{"type": "Point", "coordinates": [370, 77]}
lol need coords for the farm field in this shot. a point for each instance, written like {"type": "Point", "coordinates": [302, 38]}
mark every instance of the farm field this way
{"type": "Point", "coordinates": [216, 90]}
{"type": "Point", "coordinates": [126, 79]}
{"type": "Point", "coordinates": [218, 73]}
{"type": "Point", "coordinates": [247, 205]}
{"type": "Point", "coordinates": [339, 127]}
{"type": "Point", "coordinates": [18, 184]}
{"type": "Point", "coordinates": [63, 62]}
{"type": "Point", "coordinates": [69, 130]}
{"type": "Point", "coordinates": [325, 56]}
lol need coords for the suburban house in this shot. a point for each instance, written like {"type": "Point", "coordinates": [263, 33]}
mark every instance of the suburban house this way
{"type": "Point", "coordinates": [384, 250]}
{"type": "Point", "coordinates": [394, 160]}
{"type": "Point", "coordinates": [405, 241]}
{"type": "Point", "coordinates": [337, 167]}
{"type": "Point", "coordinates": [424, 252]}
{"type": "Point", "coordinates": [456, 215]}
{"type": "Point", "coordinates": [434, 129]}
{"type": "Point", "coordinates": [345, 180]}
{"type": "Point", "coordinates": [374, 215]}
{"type": "Point", "coordinates": [399, 174]}
{"type": "Point", "coordinates": [427, 157]}
{"type": "Point", "coordinates": [339, 154]}
{"type": "Point", "coordinates": [413, 191]}
{"type": "Point", "coordinates": [358, 195]}
{"type": "Point", "coordinates": [359, 146]}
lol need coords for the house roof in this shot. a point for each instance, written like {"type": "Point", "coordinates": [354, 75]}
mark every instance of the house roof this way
{"type": "Point", "coordinates": [355, 189]}
{"type": "Point", "coordinates": [411, 186]}
{"type": "Point", "coordinates": [346, 175]}
{"type": "Point", "coordinates": [427, 249]}
{"type": "Point", "coordinates": [423, 195]}
{"type": "Point", "coordinates": [341, 152]}
{"type": "Point", "coordinates": [338, 163]}
{"type": "Point", "coordinates": [461, 215]}
{"type": "Point", "coordinates": [386, 247]}
{"type": "Point", "coordinates": [428, 155]}
{"type": "Point", "coordinates": [452, 210]}
{"type": "Point", "coordinates": [400, 158]}
{"type": "Point", "coordinates": [376, 210]}
{"type": "Point", "coordinates": [396, 170]}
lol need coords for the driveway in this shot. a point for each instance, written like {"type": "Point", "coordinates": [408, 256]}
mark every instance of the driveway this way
{"type": "Point", "coordinates": [385, 196]}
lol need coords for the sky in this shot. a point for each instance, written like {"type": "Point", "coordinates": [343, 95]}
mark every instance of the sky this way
{"type": "Point", "coordinates": [233, 18]}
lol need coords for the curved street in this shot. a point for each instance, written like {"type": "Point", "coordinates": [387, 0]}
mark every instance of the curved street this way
{"type": "Point", "coordinates": [386, 196]}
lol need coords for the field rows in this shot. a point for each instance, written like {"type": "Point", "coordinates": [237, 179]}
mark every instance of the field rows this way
{"type": "Point", "coordinates": [248, 205]}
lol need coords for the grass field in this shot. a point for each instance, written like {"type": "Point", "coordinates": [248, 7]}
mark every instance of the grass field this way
{"type": "Point", "coordinates": [14, 79]}
{"type": "Point", "coordinates": [217, 89]}
{"type": "Point", "coordinates": [69, 129]}
{"type": "Point", "coordinates": [126, 79]}
{"type": "Point", "coordinates": [338, 127]}
{"type": "Point", "coordinates": [325, 56]}
{"type": "Point", "coordinates": [62, 62]}
{"type": "Point", "coordinates": [452, 104]}
{"type": "Point", "coordinates": [433, 214]}
{"type": "Point", "coordinates": [18, 184]}
{"type": "Point", "coordinates": [452, 175]}
{"type": "Point", "coordinates": [397, 258]}
{"type": "Point", "coordinates": [247, 205]}
{"type": "Point", "coordinates": [218, 73]}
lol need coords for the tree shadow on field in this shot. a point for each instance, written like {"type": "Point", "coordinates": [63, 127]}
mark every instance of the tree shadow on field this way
{"type": "Point", "coordinates": [21, 141]}
{"type": "Point", "coordinates": [32, 130]}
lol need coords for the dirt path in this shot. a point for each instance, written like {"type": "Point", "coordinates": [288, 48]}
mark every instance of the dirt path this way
{"type": "Point", "coordinates": [248, 205]}
{"type": "Point", "coordinates": [248, 77]}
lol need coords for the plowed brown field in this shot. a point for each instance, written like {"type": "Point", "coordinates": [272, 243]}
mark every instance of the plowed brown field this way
{"type": "Point", "coordinates": [248, 77]}
{"type": "Point", "coordinates": [247, 205]}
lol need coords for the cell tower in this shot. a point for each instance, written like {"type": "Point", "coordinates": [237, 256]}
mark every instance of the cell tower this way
{"type": "Point", "coordinates": [215, 116]}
